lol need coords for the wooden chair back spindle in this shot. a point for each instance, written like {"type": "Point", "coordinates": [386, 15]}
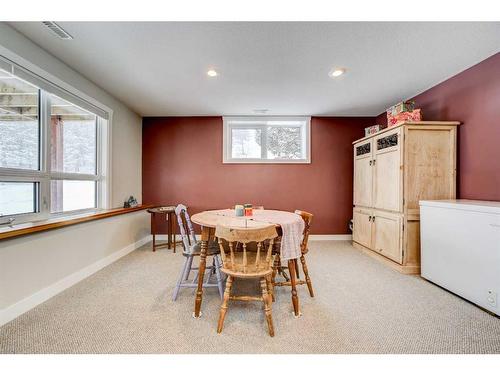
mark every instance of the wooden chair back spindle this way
{"type": "Point", "coordinates": [186, 229]}
{"type": "Point", "coordinates": [307, 217]}
{"type": "Point", "coordinates": [230, 237]}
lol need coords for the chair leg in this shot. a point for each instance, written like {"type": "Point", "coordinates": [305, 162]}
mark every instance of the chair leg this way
{"type": "Point", "coordinates": [306, 273]}
{"type": "Point", "coordinates": [270, 287]}
{"type": "Point", "coordinates": [220, 283]}
{"type": "Point", "coordinates": [293, 284]}
{"type": "Point", "coordinates": [210, 271]}
{"type": "Point", "coordinates": [273, 276]}
{"type": "Point", "coordinates": [189, 268]}
{"type": "Point", "coordinates": [281, 269]}
{"type": "Point", "coordinates": [223, 308]}
{"type": "Point", "coordinates": [182, 277]}
{"type": "Point", "coordinates": [297, 274]}
{"type": "Point", "coordinates": [267, 306]}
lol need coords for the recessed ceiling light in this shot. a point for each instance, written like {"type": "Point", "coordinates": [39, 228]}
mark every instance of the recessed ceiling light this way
{"type": "Point", "coordinates": [212, 73]}
{"type": "Point", "coordinates": [337, 72]}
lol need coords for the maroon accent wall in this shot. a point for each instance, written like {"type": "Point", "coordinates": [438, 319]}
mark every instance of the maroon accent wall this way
{"type": "Point", "coordinates": [182, 162]}
{"type": "Point", "coordinates": [472, 97]}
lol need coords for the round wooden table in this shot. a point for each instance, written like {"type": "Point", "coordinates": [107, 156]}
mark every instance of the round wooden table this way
{"type": "Point", "coordinates": [208, 220]}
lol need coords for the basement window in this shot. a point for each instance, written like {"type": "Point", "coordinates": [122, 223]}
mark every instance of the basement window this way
{"type": "Point", "coordinates": [266, 140]}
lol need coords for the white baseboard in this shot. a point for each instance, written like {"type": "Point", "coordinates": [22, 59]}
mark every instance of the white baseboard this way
{"type": "Point", "coordinates": [13, 311]}
{"type": "Point", "coordinates": [312, 237]}
{"type": "Point", "coordinates": [164, 237]}
{"type": "Point", "coordinates": [330, 237]}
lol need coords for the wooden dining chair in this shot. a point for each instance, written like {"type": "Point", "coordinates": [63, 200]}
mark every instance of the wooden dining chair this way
{"type": "Point", "coordinates": [192, 249]}
{"type": "Point", "coordinates": [246, 264]}
{"type": "Point", "coordinates": [278, 268]}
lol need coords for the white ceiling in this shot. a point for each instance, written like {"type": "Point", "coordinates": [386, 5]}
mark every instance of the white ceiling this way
{"type": "Point", "coordinates": [159, 68]}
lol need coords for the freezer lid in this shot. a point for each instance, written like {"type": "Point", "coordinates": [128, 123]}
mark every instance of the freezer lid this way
{"type": "Point", "coordinates": [465, 204]}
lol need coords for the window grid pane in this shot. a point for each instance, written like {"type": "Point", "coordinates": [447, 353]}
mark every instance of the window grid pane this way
{"type": "Point", "coordinates": [71, 195]}
{"type": "Point", "coordinates": [284, 142]}
{"type": "Point", "coordinates": [19, 123]}
{"type": "Point", "coordinates": [73, 138]}
{"type": "Point", "coordinates": [18, 197]}
{"type": "Point", "coordinates": [246, 143]}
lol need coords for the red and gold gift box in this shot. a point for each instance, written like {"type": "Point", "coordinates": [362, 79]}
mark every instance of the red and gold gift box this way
{"type": "Point", "coordinates": [415, 115]}
{"type": "Point", "coordinates": [373, 129]}
{"type": "Point", "coordinates": [405, 106]}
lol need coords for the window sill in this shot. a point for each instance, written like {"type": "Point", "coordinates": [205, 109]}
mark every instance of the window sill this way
{"type": "Point", "coordinates": [60, 222]}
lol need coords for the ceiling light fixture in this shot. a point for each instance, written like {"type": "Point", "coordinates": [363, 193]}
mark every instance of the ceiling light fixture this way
{"type": "Point", "coordinates": [337, 72]}
{"type": "Point", "coordinates": [212, 73]}
{"type": "Point", "coordinates": [57, 30]}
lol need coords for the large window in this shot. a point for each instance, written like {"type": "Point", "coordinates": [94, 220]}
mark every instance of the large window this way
{"type": "Point", "coordinates": [266, 140]}
{"type": "Point", "coordinates": [51, 156]}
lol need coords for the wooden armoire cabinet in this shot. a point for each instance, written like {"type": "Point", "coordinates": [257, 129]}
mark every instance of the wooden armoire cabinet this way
{"type": "Point", "coordinates": [393, 170]}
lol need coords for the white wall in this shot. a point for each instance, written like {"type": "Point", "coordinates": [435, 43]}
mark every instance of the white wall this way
{"type": "Point", "coordinates": [35, 267]}
{"type": "Point", "coordinates": [126, 128]}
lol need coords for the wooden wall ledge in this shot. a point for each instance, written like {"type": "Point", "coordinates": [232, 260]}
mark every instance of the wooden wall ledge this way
{"type": "Point", "coordinates": [60, 222]}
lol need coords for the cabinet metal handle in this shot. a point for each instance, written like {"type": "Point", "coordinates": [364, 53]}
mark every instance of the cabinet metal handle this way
{"type": "Point", "coordinates": [374, 161]}
{"type": "Point", "coordinates": [371, 162]}
{"type": "Point", "coordinates": [373, 218]}
{"type": "Point", "coordinates": [370, 218]}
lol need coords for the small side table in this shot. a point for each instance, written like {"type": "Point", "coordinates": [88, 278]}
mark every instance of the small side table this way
{"type": "Point", "coordinates": [169, 213]}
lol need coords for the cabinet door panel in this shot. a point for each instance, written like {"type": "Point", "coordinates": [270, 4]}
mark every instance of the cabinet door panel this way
{"type": "Point", "coordinates": [430, 160]}
{"type": "Point", "coordinates": [363, 175]}
{"type": "Point", "coordinates": [388, 182]}
{"type": "Point", "coordinates": [362, 227]}
{"type": "Point", "coordinates": [387, 235]}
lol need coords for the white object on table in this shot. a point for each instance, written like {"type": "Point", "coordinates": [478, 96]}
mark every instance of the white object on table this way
{"type": "Point", "coordinates": [292, 228]}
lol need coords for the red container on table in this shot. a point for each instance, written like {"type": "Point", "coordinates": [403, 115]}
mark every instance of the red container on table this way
{"type": "Point", "coordinates": [248, 210]}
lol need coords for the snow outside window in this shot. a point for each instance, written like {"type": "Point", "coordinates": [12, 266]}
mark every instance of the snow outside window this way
{"type": "Point", "coordinates": [50, 154]}
{"type": "Point", "coordinates": [266, 140]}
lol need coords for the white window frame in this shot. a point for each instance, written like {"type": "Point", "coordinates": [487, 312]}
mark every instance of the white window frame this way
{"type": "Point", "coordinates": [44, 175]}
{"type": "Point", "coordinates": [261, 122]}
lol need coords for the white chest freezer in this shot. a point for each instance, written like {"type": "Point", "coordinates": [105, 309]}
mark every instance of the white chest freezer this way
{"type": "Point", "coordinates": [460, 248]}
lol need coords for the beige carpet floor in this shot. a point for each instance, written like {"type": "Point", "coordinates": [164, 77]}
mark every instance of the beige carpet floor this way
{"type": "Point", "coordinates": [361, 307]}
